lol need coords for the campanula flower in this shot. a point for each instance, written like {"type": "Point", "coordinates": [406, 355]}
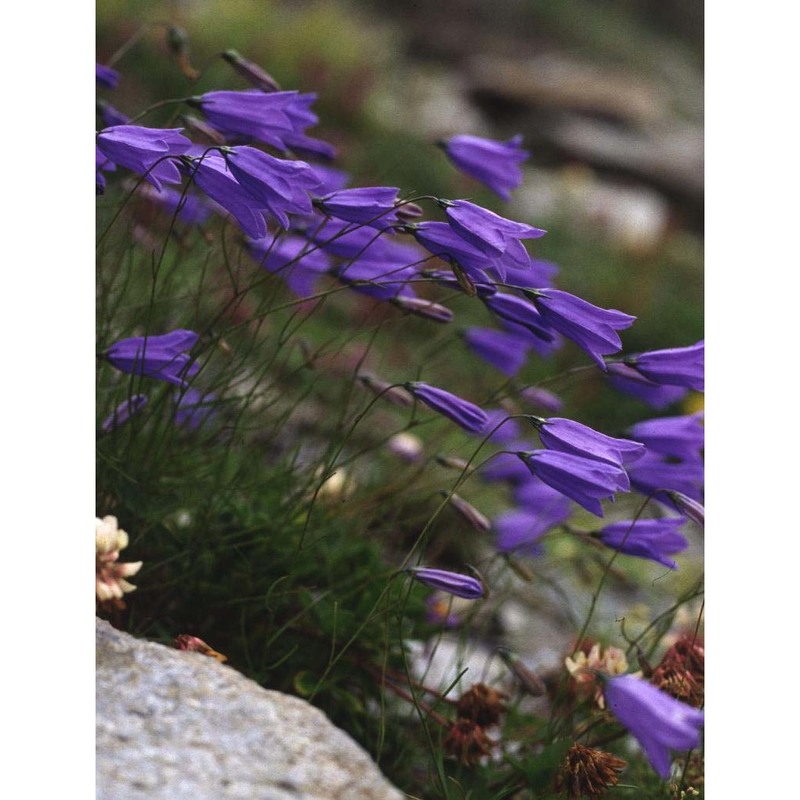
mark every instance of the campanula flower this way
{"type": "Point", "coordinates": [655, 539]}
{"type": "Point", "coordinates": [506, 466]}
{"type": "Point", "coordinates": [494, 164]}
{"type": "Point", "coordinates": [190, 208]}
{"type": "Point", "coordinates": [655, 473]}
{"type": "Point", "coordinates": [519, 531]}
{"type": "Point", "coordinates": [194, 408]}
{"type": "Point", "coordinates": [628, 381]}
{"type": "Point", "coordinates": [110, 115]}
{"type": "Point", "coordinates": [505, 351]}
{"type": "Point", "coordinates": [593, 329]}
{"type": "Point", "coordinates": [659, 722]}
{"type": "Point", "coordinates": [283, 187]}
{"type": "Point", "coordinates": [462, 412]}
{"type": "Point", "coordinates": [162, 357]}
{"type": "Point", "coordinates": [488, 232]}
{"type": "Point", "coordinates": [293, 258]}
{"type": "Point", "coordinates": [584, 480]}
{"type": "Point", "coordinates": [145, 151]}
{"type": "Point", "coordinates": [123, 412]}
{"type": "Point", "coordinates": [519, 312]}
{"type": "Point", "coordinates": [535, 495]}
{"type": "Point", "coordinates": [500, 427]}
{"type": "Point", "coordinates": [451, 582]}
{"type": "Point", "coordinates": [377, 280]}
{"type": "Point", "coordinates": [681, 437]}
{"type": "Point", "coordinates": [678, 366]}
{"type": "Point", "coordinates": [569, 436]}
{"type": "Point", "coordinates": [372, 205]}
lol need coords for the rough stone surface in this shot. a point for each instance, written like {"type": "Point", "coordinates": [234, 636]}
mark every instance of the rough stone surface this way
{"type": "Point", "coordinates": [179, 725]}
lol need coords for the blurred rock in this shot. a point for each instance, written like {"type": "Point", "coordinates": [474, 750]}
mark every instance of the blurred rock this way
{"type": "Point", "coordinates": [175, 725]}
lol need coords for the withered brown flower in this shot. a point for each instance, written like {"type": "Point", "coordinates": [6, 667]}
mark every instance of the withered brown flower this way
{"type": "Point", "coordinates": [586, 772]}
{"type": "Point", "coordinates": [467, 741]}
{"type": "Point", "coordinates": [482, 704]}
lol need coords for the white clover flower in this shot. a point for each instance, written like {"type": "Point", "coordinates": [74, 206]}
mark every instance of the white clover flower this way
{"type": "Point", "coordinates": [110, 583]}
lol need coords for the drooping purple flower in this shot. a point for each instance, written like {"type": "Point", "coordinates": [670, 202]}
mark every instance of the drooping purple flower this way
{"type": "Point", "coordinates": [266, 117]}
{"type": "Point", "coordinates": [536, 274]}
{"type": "Point", "coordinates": [628, 381]}
{"type": "Point", "coordinates": [519, 312]}
{"type": "Point", "coordinates": [293, 258]}
{"type": "Point", "coordinates": [678, 366]}
{"type": "Point", "coordinates": [451, 582]}
{"type": "Point", "coordinates": [654, 539]}
{"type": "Point", "coordinates": [110, 115]}
{"type": "Point", "coordinates": [681, 437]}
{"type": "Point", "coordinates": [569, 436]}
{"type": "Point", "coordinates": [488, 232]}
{"type": "Point", "coordinates": [251, 72]}
{"type": "Point", "coordinates": [189, 207]}
{"type": "Point", "coordinates": [593, 329]}
{"type": "Point", "coordinates": [376, 279]}
{"type": "Point", "coordinates": [123, 412]}
{"type": "Point", "coordinates": [505, 351]}
{"type": "Point", "coordinates": [106, 76]}
{"type": "Point", "coordinates": [462, 412]}
{"type": "Point", "coordinates": [494, 164]}
{"type": "Point", "coordinates": [584, 480]}
{"type": "Point", "coordinates": [518, 531]}
{"type": "Point", "coordinates": [658, 721]}
{"type": "Point", "coordinates": [535, 495]}
{"type": "Point", "coordinates": [163, 357]}
{"type": "Point", "coordinates": [211, 174]}
{"type": "Point", "coordinates": [506, 466]}
{"type": "Point", "coordinates": [368, 205]}
{"type": "Point", "coordinates": [331, 179]}
{"type": "Point", "coordinates": [655, 473]}
{"type": "Point", "coordinates": [194, 408]}
{"type": "Point", "coordinates": [284, 187]}
{"type": "Point", "coordinates": [309, 147]}
{"type": "Point", "coordinates": [145, 151]}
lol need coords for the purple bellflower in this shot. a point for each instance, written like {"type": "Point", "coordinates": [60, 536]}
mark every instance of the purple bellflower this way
{"type": "Point", "coordinates": [190, 208]}
{"type": "Point", "coordinates": [505, 351]}
{"type": "Point", "coordinates": [658, 721]}
{"type": "Point", "coordinates": [680, 437]}
{"type": "Point", "coordinates": [494, 164]}
{"type": "Point", "coordinates": [628, 381]}
{"type": "Point", "coordinates": [535, 495]}
{"type": "Point", "coordinates": [462, 412]}
{"type": "Point", "coordinates": [375, 279]}
{"type": "Point", "coordinates": [283, 187]}
{"type": "Point", "coordinates": [145, 151]}
{"type": "Point", "coordinates": [162, 357]}
{"type": "Point", "coordinates": [593, 329]}
{"type": "Point", "coordinates": [107, 77]}
{"type": "Point", "coordinates": [500, 427]}
{"type": "Point", "coordinates": [211, 174]}
{"type": "Point", "coordinates": [488, 232]}
{"type": "Point", "coordinates": [519, 313]}
{"type": "Point", "coordinates": [654, 539]}
{"type": "Point", "coordinates": [293, 258]}
{"type": "Point", "coordinates": [584, 480]}
{"type": "Point", "coordinates": [110, 115]}
{"type": "Point", "coordinates": [569, 436]}
{"type": "Point", "coordinates": [123, 412]}
{"type": "Point", "coordinates": [518, 531]}
{"type": "Point", "coordinates": [678, 366]}
{"type": "Point", "coordinates": [451, 582]}
{"type": "Point", "coordinates": [309, 147]}
{"type": "Point", "coordinates": [330, 178]}
{"type": "Point", "coordinates": [655, 473]}
{"type": "Point", "coordinates": [373, 206]}
{"type": "Point", "coordinates": [506, 466]}
{"type": "Point", "coordinates": [538, 273]}
{"type": "Point", "coordinates": [266, 117]}
{"type": "Point", "coordinates": [194, 409]}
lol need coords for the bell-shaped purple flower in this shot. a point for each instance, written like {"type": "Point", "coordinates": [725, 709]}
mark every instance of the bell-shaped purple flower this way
{"type": "Point", "coordinates": [569, 436]}
{"type": "Point", "coordinates": [658, 721]}
{"type": "Point", "coordinates": [162, 357]}
{"type": "Point", "coordinates": [298, 262]}
{"type": "Point", "coordinates": [518, 531]}
{"type": "Point", "coordinates": [462, 412]}
{"type": "Point", "coordinates": [372, 205]}
{"type": "Point", "coordinates": [123, 412]}
{"type": "Point", "coordinates": [451, 582]}
{"type": "Point", "coordinates": [654, 539]}
{"type": "Point", "coordinates": [536, 274]}
{"type": "Point", "coordinates": [505, 351]}
{"type": "Point", "coordinates": [500, 427]}
{"type": "Point", "coordinates": [105, 76]}
{"type": "Point", "coordinates": [506, 467]}
{"type": "Point", "coordinates": [584, 480]}
{"type": "Point", "coordinates": [628, 381]}
{"type": "Point", "coordinates": [518, 311]}
{"type": "Point", "coordinates": [194, 409]}
{"type": "Point", "coordinates": [189, 208]}
{"type": "Point", "coordinates": [494, 164]}
{"type": "Point", "coordinates": [678, 366]}
{"type": "Point", "coordinates": [535, 495]}
{"type": "Point", "coordinates": [284, 187]}
{"type": "Point", "coordinates": [593, 329]}
{"type": "Point", "coordinates": [266, 117]}
{"type": "Point", "coordinates": [145, 151]}
{"type": "Point", "coordinates": [680, 437]}
{"type": "Point", "coordinates": [654, 473]}
{"type": "Point", "coordinates": [488, 232]}
{"type": "Point", "coordinates": [376, 279]}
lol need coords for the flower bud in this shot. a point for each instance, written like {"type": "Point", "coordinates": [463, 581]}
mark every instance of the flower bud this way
{"type": "Point", "coordinates": [470, 513]}
{"type": "Point", "coordinates": [251, 72]}
{"type": "Point", "coordinates": [424, 308]}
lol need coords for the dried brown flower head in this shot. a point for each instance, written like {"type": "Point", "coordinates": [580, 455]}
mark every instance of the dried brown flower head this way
{"type": "Point", "coordinates": [467, 741]}
{"type": "Point", "coordinates": [185, 641]}
{"type": "Point", "coordinates": [482, 705]}
{"type": "Point", "coordinates": [681, 672]}
{"type": "Point", "coordinates": [110, 583]}
{"type": "Point", "coordinates": [586, 772]}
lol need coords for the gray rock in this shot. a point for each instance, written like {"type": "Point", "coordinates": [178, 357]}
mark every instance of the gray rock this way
{"type": "Point", "coordinates": [180, 725]}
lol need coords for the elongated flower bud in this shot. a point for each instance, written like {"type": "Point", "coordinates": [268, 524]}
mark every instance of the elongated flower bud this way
{"type": "Point", "coordinates": [451, 582]}
{"type": "Point", "coordinates": [396, 395]}
{"type": "Point", "coordinates": [423, 308]}
{"type": "Point", "coordinates": [470, 513]}
{"type": "Point", "coordinates": [251, 72]}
